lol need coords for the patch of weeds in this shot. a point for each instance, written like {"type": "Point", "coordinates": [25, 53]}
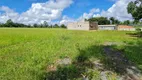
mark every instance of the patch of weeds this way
{"type": "Point", "coordinates": [91, 74]}
{"type": "Point", "coordinates": [138, 33]}
{"type": "Point", "coordinates": [64, 37]}
{"type": "Point", "coordinates": [62, 56]}
{"type": "Point", "coordinates": [82, 58]}
{"type": "Point", "coordinates": [69, 72]}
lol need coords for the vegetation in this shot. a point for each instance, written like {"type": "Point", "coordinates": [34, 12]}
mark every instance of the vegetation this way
{"type": "Point", "coordinates": [58, 54]}
{"type": "Point", "coordinates": [127, 22]}
{"type": "Point", "coordinates": [100, 20]}
{"type": "Point", "coordinates": [111, 20]}
{"type": "Point", "coordinates": [34, 54]}
{"type": "Point", "coordinates": [114, 21]}
{"type": "Point", "coordinates": [135, 9]}
{"type": "Point", "coordinates": [139, 32]}
{"type": "Point", "coordinates": [10, 24]}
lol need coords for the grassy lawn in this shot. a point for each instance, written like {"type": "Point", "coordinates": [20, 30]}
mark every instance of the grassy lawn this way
{"type": "Point", "coordinates": [25, 54]}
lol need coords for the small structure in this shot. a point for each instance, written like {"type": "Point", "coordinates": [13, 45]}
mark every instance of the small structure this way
{"type": "Point", "coordinates": [84, 25]}
{"type": "Point", "coordinates": [107, 27]}
{"type": "Point", "coordinates": [126, 28]}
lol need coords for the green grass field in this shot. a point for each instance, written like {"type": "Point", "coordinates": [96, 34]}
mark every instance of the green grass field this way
{"type": "Point", "coordinates": [25, 54]}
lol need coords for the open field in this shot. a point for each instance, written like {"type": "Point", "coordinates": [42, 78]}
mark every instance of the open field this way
{"type": "Point", "coordinates": [29, 54]}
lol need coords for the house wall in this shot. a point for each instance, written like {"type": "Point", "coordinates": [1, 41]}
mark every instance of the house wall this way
{"type": "Point", "coordinates": [93, 26]}
{"type": "Point", "coordinates": [78, 26]}
{"type": "Point", "coordinates": [89, 26]}
{"type": "Point", "coordinates": [126, 29]}
{"type": "Point", "coordinates": [106, 27]}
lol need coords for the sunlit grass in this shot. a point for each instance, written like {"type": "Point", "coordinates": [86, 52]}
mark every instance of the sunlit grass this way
{"type": "Point", "coordinates": [26, 53]}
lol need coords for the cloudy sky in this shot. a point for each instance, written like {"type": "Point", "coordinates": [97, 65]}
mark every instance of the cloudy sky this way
{"type": "Point", "coordinates": [61, 11]}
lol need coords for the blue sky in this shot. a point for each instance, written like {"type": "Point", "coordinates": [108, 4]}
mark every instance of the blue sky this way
{"type": "Point", "coordinates": [59, 10]}
{"type": "Point", "coordinates": [81, 6]}
{"type": "Point", "coordinates": [78, 7]}
{"type": "Point", "coordinates": [19, 5]}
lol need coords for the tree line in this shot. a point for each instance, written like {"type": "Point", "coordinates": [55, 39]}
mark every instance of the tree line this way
{"type": "Point", "coordinates": [10, 23]}
{"type": "Point", "coordinates": [108, 21]}
{"type": "Point", "coordinates": [100, 20]}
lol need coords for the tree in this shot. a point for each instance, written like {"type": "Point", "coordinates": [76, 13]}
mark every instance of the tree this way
{"type": "Point", "coordinates": [100, 20]}
{"type": "Point", "coordinates": [117, 22]}
{"type": "Point", "coordinates": [9, 23]}
{"type": "Point", "coordinates": [41, 25]}
{"type": "Point", "coordinates": [29, 26]}
{"type": "Point", "coordinates": [85, 19]}
{"type": "Point", "coordinates": [139, 32]}
{"type": "Point", "coordinates": [51, 26]}
{"type": "Point", "coordinates": [35, 25]}
{"type": "Point", "coordinates": [135, 9]}
{"type": "Point", "coordinates": [56, 26]}
{"type": "Point", "coordinates": [127, 22]}
{"type": "Point", "coordinates": [63, 26]}
{"type": "Point", "coordinates": [112, 19]}
{"type": "Point", "coordinates": [45, 24]}
{"type": "Point", "coordinates": [1, 25]}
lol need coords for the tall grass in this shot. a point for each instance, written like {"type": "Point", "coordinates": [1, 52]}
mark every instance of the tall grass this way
{"type": "Point", "coordinates": [26, 53]}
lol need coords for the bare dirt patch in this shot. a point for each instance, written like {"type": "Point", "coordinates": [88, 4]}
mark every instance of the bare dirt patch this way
{"type": "Point", "coordinates": [119, 63]}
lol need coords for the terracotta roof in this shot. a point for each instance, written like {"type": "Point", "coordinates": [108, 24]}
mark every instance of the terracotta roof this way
{"type": "Point", "coordinates": [124, 26]}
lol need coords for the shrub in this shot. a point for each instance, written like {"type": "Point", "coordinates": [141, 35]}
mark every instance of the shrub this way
{"type": "Point", "coordinates": [140, 34]}
{"type": "Point", "coordinates": [138, 30]}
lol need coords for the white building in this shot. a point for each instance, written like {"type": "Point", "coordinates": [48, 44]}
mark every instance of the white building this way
{"type": "Point", "coordinates": [84, 25]}
{"type": "Point", "coordinates": [107, 27]}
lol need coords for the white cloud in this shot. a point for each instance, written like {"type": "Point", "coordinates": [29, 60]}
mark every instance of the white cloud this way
{"type": "Point", "coordinates": [8, 14]}
{"type": "Point", "coordinates": [52, 10]}
{"type": "Point", "coordinates": [118, 10]}
{"type": "Point", "coordinates": [89, 15]}
{"type": "Point", "coordinates": [66, 20]}
{"type": "Point", "coordinates": [96, 15]}
{"type": "Point", "coordinates": [37, 13]}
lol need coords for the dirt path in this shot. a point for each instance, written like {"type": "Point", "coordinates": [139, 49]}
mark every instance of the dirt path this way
{"type": "Point", "coordinates": [121, 64]}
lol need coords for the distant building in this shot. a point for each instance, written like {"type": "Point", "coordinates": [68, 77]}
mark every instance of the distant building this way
{"type": "Point", "coordinates": [84, 25]}
{"type": "Point", "coordinates": [126, 28]}
{"type": "Point", "coordinates": [107, 27]}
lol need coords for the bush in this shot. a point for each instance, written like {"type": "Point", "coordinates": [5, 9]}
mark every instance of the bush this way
{"type": "Point", "coordinates": [140, 34]}
{"type": "Point", "coordinates": [138, 30]}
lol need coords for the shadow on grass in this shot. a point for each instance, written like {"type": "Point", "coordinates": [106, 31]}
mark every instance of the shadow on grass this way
{"type": "Point", "coordinates": [112, 60]}
{"type": "Point", "coordinates": [134, 52]}
{"type": "Point", "coordinates": [78, 69]}
{"type": "Point", "coordinates": [136, 34]}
